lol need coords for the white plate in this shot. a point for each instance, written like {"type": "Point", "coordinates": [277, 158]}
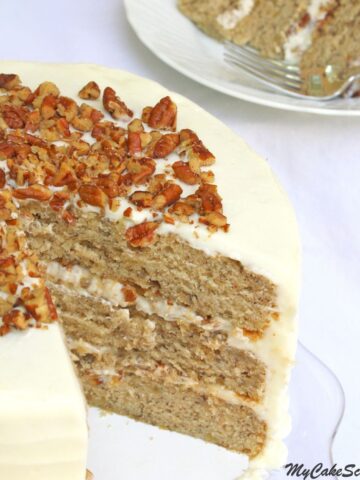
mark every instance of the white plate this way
{"type": "Point", "coordinates": [174, 39]}
{"type": "Point", "coordinates": [121, 448]}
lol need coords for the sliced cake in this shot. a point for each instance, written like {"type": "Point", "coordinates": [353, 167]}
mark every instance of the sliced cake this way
{"type": "Point", "coordinates": [321, 36]}
{"type": "Point", "coordinates": [167, 251]}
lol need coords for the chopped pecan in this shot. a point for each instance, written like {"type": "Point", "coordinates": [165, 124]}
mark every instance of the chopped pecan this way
{"type": "Point", "coordinates": [15, 117]}
{"type": "Point", "coordinates": [182, 208]}
{"type": "Point", "coordinates": [216, 219]}
{"type": "Point", "coordinates": [129, 293]}
{"type": "Point", "coordinates": [162, 116]}
{"type": "Point", "coordinates": [67, 108]}
{"type": "Point", "coordinates": [116, 107]}
{"type": "Point", "coordinates": [82, 123]}
{"type": "Point", "coordinates": [141, 169]}
{"type": "Point", "coordinates": [48, 107]}
{"type": "Point", "coordinates": [134, 143]}
{"type": "Point", "coordinates": [16, 319]}
{"type": "Point", "coordinates": [166, 145]}
{"type": "Point", "coordinates": [90, 91]}
{"type": "Point", "coordinates": [58, 200]}
{"type": "Point", "coordinates": [33, 121]}
{"type": "Point", "coordinates": [142, 235]}
{"type": "Point", "coordinates": [210, 199]}
{"type": "Point", "coordinates": [128, 212]}
{"type": "Point", "coordinates": [9, 80]}
{"type": "Point", "coordinates": [167, 196]}
{"type": "Point", "coordinates": [183, 172]}
{"type": "Point", "coordinates": [109, 184]}
{"type": "Point", "coordinates": [2, 178]}
{"type": "Point", "coordinates": [65, 175]}
{"type": "Point", "coordinates": [141, 199]}
{"type": "Point", "coordinates": [35, 192]}
{"type": "Point", "coordinates": [92, 195]}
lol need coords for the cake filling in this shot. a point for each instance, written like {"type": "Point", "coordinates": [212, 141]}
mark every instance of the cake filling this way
{"type": "Point", "coordinates": [230, 18]}
{"type": "Point", "coordinates": [300, 38]}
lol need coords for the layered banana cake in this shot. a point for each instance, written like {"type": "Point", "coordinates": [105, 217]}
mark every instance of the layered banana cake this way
{"type": "Point", "coordinates": [146, 252]}
{"type": "Point", "coordinates": [321, 36]}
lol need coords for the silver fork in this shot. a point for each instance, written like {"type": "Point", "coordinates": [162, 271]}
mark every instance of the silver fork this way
{"type": "Point", "coordinates": [279, 75]}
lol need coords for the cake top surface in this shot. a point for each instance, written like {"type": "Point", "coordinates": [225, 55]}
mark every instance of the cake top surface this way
{"type": "Point", "coordinates": [237, 209]}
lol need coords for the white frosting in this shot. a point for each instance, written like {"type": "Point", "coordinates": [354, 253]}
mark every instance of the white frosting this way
{"type": "Point", "coordinates": [43, 431]}
{"type": "Point", "coordinates": [230, 18]}
{"type": "Point", "coordinates": [263, 233]}
{"type": "Point", "coordinates": [300, 40]}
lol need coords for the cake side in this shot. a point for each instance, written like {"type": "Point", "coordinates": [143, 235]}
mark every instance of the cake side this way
{"type": "Point", "coordinates": [42, 410]}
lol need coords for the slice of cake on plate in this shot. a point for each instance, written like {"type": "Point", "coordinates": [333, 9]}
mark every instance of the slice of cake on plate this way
{"type": "Point", "coordinates": [321, 36]}
{"type": "Point", "coordinates": [169, 253]}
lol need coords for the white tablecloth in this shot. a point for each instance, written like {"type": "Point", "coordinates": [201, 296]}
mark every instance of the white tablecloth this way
{"type": "Point", "coordinates": [317, 159]}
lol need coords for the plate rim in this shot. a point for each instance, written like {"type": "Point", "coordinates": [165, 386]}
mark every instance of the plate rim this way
{"type": "Point", "coordinates": [225, 90]}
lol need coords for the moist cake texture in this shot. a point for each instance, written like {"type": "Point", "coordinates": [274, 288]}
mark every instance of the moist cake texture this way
{"type": "Point", "coordinates": [321, 36]}
{"type": "Point", "coordinates": [162, 247]}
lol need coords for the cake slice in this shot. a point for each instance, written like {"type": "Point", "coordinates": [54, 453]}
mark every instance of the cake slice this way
{"type": "Point", "coordinates": [168, 249]}
{"type": "Point", "coordinates": [321, 36]}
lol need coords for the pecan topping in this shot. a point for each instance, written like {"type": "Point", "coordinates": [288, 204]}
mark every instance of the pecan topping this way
{"type": "Point", "coordinates": [9, 80]}
{"type": "Point", "coordinates": [90, 91]}
{"type": "Point", "coordinates": [142, 235]}
{"type": "Point", "coordinates": [183, 172]}
{"type": "Point", "coordinates": [116, 107]}
{"type": "Point", "coordinates": [141, 199]}
{"type": "Point", "coordinates": [129, 293]}
{"type": "Point", "coordinates": [162, 116]}
{"type": "Point", "coordinates": [166, 145]}
{"type": "Point", "coordinates": [35, 192]}
{"type": "Point", "coordinates": [93, 195]}
{"type": "Point", "coordinates": [167, 196]}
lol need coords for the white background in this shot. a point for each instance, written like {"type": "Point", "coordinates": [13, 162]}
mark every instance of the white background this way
{"type": "Point", "coordinates": [317, 159]}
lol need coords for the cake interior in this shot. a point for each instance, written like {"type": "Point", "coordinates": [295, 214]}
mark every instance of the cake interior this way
{"type": "Point", "coordinates": [161, 356]}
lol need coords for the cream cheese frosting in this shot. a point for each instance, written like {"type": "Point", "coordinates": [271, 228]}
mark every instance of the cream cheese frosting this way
{"type": "Point", "coordinates": [43, 430]}
{"type": "Point", "coordinates": [300, 40]}
{"type": "Point", "coordinates": [263, 234]}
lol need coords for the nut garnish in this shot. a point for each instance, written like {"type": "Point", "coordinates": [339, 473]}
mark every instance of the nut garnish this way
{"type": "Point", "coordinates": [45, 157]}
{"type": "Point", "coordinates": [116, 107]}
{"type": "Point", "coordinates": [91, 91]}
{"type": "Point", "coordinates": [142, 235]}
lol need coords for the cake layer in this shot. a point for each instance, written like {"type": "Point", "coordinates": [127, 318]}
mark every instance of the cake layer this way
{"type": "Point", "coordinates": [43, 430]}
{"type": "Point", "coordinates": [179, 408]}
{"type": "Point", "coordinates": [211, 286]}
{"type": "Point", "coordinates": [335, 43]}
{"type": "Point", "coordinates": [130, 341]}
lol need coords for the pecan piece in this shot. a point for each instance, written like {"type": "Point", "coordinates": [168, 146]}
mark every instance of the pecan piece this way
{"type": "Point", "coordinates": [58, 200]}
{"type": "Point", "coordinates": [162, 116]}
{"type": "Point", "coordinates": [210, 199]}
{"type": "Point", "coordinates": [216, 219]}
{"type": "Point", "coordinates": [166, 145]}
{"type": "Point", "coordinates": [35, 192]}
{"type": "Point", "coordinates": [2, 178]}
{"type": "Point", "coordinates": [67, 107]}
{"type": "Point", "coordinates": [129, 293]}
{"type": "Point", "coordinates": [183, 172]}
{"type": "Point", "coordinates": [109, 184]}
{"type": "Point", "coordinates": [115, 106]}
{"type": "Point", "coordinates": [9, 80]}
{"type": "Point", "coordinates": [167, 196]}
{"type": "Point", "coordinates": [142, 235]}
{"type": "Point", "coordinates": [141, 199]}
{"type": "Point", "coordinates": [92, 195]}
{"type": "Point", "coordinates": [90, 91]}
{"type": "Point", "coordinates": [141, 169]}
{"type": "Point", "coordinates": [48, 107]}
{"type": "Point", "coordinates": [15, 117]}
{"type": "Point", "coordinates": [182, 209]}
